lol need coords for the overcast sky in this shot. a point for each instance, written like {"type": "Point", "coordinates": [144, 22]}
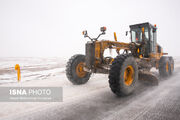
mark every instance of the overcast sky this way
{"type": "Point", "coordinates": [53, 28]}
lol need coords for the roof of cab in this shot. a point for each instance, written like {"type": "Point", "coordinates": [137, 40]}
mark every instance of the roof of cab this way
{"type": "Point", "coordinates": [140, 25]}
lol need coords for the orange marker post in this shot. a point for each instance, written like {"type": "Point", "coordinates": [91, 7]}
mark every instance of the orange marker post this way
{"type": "Point", "coordinates": [17, 67]}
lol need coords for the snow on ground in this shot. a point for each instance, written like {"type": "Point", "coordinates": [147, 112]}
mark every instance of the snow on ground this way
{"type": "Point", "coordinates": [31, 68]}
{"type": "Point", "coordinates": [45, 72]}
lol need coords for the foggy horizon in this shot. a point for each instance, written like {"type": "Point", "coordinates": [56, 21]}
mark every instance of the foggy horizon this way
{"type": "Point", "coordinates": [43, 28]}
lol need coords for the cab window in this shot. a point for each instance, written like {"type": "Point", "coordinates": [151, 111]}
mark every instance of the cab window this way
{"type": "Point", "coordinates": [136, 34]}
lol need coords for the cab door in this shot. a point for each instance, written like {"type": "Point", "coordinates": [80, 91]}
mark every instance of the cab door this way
{"type": "Point", "coordinates": [153, 40]}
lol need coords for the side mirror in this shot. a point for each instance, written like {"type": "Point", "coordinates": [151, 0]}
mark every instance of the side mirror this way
{"type": "Point", "coordinates": [103, 29]}
{"type": "Point", "coordinates": [126, 33]}
{"type": "Point", "coordinates": [85, 33]}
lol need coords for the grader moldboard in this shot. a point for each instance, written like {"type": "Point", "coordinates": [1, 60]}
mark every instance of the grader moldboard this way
{"type": "Point", "coordinates": [133, 64]}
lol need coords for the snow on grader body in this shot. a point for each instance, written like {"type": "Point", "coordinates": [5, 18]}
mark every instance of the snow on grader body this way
{"type": "Point", "coordinates": [139, 56]}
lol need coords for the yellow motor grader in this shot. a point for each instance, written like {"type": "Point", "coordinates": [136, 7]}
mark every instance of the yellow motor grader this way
{"type": "Point", "coordinates": [134, 60]}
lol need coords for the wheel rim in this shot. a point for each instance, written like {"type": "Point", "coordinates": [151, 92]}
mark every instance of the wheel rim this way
{"type": "Point", "coordinates": [129, 75]}
{"type": "Point", "coordinates": [80, 71]}
{"type": "Point", "coordinates": [167, 67]}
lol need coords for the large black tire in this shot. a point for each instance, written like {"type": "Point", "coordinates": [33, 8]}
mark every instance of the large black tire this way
{"type": "Point", "coordinates": [172, 65]}
{"type": "Point", "coordinates": [165, 66]}
{"type": "Point", "coordinates": [71, 70]}
{"type": "Point", "coordinates": [117, 81]}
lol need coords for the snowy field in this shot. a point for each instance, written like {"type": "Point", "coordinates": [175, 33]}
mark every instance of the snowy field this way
{"type": "Point", "coordinates": [31, 68]}
{"type": "Point", "coordinates": [93, 97]}
{"type": "Point", "coordinates": [35, 68]}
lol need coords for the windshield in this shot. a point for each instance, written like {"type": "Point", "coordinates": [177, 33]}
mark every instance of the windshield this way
{"type": "Point", "coordinates": [136, 34]}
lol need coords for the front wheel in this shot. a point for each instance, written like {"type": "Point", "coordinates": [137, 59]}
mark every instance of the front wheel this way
{"type": "Point", "coordinates": [123, 75]}
{"type": "Point", "coordinates": [74, 70]}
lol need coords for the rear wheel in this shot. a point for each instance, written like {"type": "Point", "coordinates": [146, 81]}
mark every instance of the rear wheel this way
{"type": "Point", "coordinates": [74, 70]}
{"type": "Point", "coordinates": [123, 75]}
{"type": "Point", "coordinates": [172, 65]}
{"type": "Point", "coordinates": [165, 67]}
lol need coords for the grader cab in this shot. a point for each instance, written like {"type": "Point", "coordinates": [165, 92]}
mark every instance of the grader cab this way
{"type": "Point", "coordinates": [151, 48]}
{"type": "Point", "coordinates": [133, 62]}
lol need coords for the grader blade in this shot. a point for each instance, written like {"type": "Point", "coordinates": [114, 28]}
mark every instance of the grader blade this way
{"type": "Point", "coordinates": [148, 78]}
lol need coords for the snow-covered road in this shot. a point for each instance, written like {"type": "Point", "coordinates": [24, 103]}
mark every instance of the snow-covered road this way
{"type": "Point", "coordinates": [95, 100]}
